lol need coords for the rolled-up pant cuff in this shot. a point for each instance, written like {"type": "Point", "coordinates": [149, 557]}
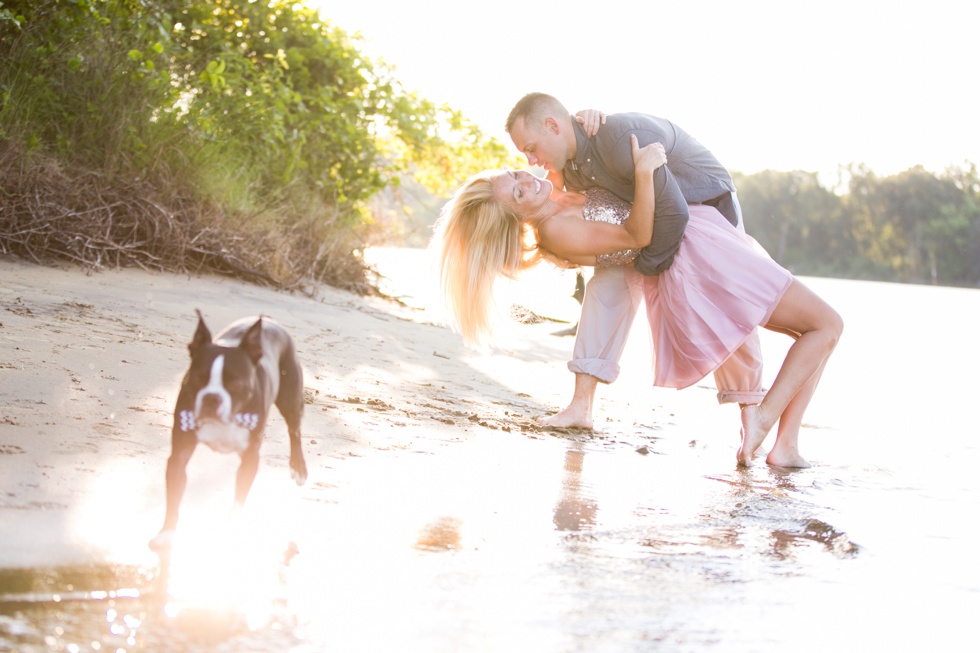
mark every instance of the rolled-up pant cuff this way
{"type": "Point", "coordinates": [605, 371]}
{"type": "Point", "coordinates": [740, 396]}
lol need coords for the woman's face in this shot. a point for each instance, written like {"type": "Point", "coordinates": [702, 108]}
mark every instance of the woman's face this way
{"type": "Point", "coordinates": [521, 192]}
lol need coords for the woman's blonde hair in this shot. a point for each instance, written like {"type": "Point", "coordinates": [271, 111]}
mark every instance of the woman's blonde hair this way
{"type": "Point", "coordinates": [477, 239]}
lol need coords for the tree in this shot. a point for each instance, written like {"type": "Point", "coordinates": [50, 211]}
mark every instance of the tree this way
{"type": "Point", "coordinates": [918, 220]}
{"type": "Point", "coordinates": [261, 114]}
{"type": "Point", "coordinates": [793, 217]}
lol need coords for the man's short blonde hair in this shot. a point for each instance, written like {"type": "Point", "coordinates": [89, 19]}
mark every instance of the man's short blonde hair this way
{"type": "Point", "coordinates": [534, 108]}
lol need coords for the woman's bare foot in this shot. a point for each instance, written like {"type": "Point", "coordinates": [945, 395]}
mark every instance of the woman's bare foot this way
{"type": "Point", "coordinates": [786, 457]}
{"type": "Point", "coordinates": [571, 417]}
{"type": "Point", "coordinates": [754, 432]}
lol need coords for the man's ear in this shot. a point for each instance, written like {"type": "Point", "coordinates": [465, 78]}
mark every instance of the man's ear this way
{"type": "Point", "coordinates": [552, 125]}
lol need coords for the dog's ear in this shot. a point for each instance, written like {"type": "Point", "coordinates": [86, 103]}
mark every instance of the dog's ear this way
{"type": "Point", "coordinates": [202, 336]}
{"type": "Point", "coordinates": [252, 342]}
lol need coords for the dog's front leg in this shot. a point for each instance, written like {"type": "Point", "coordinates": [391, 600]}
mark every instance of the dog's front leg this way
{"type": "Point", "coordinates": [296, 461]}
{"type": "Point", "coordinates": [247, 471]}
{"type": "Point", "coordinates": [290, 404]}
{"type": "Point", "coordinates": [183, 446]}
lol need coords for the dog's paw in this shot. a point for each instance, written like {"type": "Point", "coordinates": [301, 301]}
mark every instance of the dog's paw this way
{"type": "Point", "coordinates": [297, 467]}
{"type": "Point", "coordinates": [162, 541]}
{"type": "Point", "coordinates": [298, 475]}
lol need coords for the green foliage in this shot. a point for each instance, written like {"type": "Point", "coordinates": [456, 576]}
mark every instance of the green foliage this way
{"type": "Point", "coordinates": [266, 122]}
{"type": "Point", "coordinates": [261, 108]}
{"type": "Point", "coordinates": [914, 226]}
{"type": "Point", "coordinates": [68, 84]}
{"type": "Point", "coordinates": [782, 203]}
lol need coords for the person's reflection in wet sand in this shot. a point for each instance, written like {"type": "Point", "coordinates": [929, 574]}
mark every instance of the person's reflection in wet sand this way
{"type": "Point", "coordinates": [573, 512]}
{"type": "Point", "coordinates": [786, 543]}
{"type": "Point", "coordinates": [749, 506]}
{"type": "Point", "coordinates": [441, 535]}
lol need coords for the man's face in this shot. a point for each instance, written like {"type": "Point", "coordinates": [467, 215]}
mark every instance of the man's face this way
{"type": "Point", "coordinates": [540, 143]}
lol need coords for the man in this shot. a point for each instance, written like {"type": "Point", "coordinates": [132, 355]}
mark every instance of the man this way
{"type": "Point", "coordinates": [544, 131]}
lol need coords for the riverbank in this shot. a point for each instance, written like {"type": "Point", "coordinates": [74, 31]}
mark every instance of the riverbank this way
{"type": "Point", "coordinates": [91, 368]}
{"type": "Point", "coordinates": [438, 508]}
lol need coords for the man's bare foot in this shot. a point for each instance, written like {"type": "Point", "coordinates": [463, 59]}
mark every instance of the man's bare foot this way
{"type": "Point", "coordinates": [569, 418]}
{"type": "Point", "coordinates": [754, 433]}
{"type": "Point", "coordinates": [788, 458]}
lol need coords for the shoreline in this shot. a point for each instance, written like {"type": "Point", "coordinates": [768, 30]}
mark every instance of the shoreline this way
{"type": "Point", "coordinates": [92, 364]}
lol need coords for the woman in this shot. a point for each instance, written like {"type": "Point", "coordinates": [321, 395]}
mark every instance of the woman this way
{"type": "Point", "coordinates": [718, 289]}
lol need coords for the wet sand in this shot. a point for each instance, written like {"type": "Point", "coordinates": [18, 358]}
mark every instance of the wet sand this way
{"type": "Point", "coordinates": [92, 364]}
{"type": "Point", "coordinates": [438, 516]}
{"type": "Point", "coordinates": [91, 367]}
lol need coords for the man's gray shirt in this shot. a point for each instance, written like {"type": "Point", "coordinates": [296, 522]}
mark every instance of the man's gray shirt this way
{"type": "Point", "coordinates": [692, 175]}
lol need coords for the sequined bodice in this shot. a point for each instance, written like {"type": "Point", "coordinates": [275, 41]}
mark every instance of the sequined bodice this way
{"type": "Point", "coordinates": [604, 206]}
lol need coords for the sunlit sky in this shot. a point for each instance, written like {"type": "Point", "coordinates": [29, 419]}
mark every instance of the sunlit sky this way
{"type": "Point", "coordinates": [764, 84]}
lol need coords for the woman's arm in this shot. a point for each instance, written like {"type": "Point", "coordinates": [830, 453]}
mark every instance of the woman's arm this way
{"type": "Point", "coordinates": [580, 241]}
{"type": "Point", "coordinates": [645, 161]}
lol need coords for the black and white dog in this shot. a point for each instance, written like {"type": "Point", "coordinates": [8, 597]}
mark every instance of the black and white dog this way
{"type": "Point", "coordinates": [224, 401]}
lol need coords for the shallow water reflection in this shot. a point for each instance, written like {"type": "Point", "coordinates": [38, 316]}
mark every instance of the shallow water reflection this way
{"type": "Point", "coordinates": [512, 542]}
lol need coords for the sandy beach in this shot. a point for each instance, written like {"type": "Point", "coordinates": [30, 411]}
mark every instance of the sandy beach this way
{"type": "Point", "coordinates": [92, 362]}
{"type": "Point", "coordinates": [437, 507]}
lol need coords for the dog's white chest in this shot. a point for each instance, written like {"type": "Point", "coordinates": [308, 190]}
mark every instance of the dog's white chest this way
{"type": "Point", "coordinates": [230, 437]}
{"type": "Point", "coordinates": [224, 438]}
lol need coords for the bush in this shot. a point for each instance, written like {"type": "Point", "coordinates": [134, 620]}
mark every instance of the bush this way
{"type": "Point", "coordinates": [227, 135]}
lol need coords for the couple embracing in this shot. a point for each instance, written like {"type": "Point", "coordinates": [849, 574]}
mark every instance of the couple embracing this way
{"type": "Point", "coordinates": [657, 216]}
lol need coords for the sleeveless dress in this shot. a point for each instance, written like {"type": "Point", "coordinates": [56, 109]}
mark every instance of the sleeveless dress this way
{"type": "Point", "coordinates": [721, 285]}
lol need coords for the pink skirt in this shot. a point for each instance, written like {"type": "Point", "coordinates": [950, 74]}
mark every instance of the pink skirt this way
{"type": "Point", "coordinates": [720, 287]}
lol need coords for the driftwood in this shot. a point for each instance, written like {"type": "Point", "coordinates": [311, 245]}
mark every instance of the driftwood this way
{"type": "Point", "coordinates": [47, 214]}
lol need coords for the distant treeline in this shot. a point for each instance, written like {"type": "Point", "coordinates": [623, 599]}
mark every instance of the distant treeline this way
{"type": "Point", "coordinates": [912, 227]}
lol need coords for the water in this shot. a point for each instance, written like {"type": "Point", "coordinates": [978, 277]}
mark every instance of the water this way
{"type": "Point", "coordinates": [642, 536]}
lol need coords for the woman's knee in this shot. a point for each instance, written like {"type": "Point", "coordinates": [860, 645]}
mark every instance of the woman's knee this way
{"type": "Point", "coordinates": [832, 325]}
{"type": "Point", "coordinates": [837, 325]}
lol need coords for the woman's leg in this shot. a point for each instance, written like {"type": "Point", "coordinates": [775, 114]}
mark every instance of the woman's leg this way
{"type": "Point", "coordinates": [802, 312]}
{"type": "Point", "coordinates": [786, 450]}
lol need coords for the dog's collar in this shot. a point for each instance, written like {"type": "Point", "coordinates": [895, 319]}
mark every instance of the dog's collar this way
{"type": "Point", "coordinates": [245, 420]}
